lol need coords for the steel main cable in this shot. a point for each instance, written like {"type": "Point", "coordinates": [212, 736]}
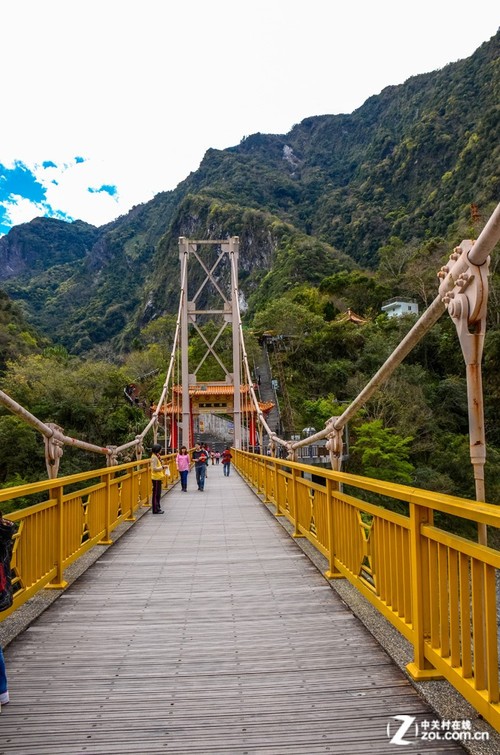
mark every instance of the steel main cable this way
{"type": "Point", "coordinates": [154, 419]}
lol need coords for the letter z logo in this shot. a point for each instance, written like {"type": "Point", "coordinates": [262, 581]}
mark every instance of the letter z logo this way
{"type": "Point", "coordinates": [406, 722]}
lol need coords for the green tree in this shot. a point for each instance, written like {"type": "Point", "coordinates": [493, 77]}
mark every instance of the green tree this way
{"type": "Point", "coordinates": [83, 397]}
{"type": "Point", "coordinates": [381, 453]}
{"type": "Point", "coordinates": [355, 290]}
{"type": "Point", "coordinates": [160, 331]}
{"type": "Point", "coordinates": [317, 412]}
{"type": "Point", "coordinates": [393, 259]}
{"type": "Point", "coordinates": [21, 451]}
{"type": "Point", "coordinates": [288, 318]}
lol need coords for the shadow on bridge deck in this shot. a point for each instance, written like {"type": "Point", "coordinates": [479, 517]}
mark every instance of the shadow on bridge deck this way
{"type": "Point", "coordinates": [206, 630]}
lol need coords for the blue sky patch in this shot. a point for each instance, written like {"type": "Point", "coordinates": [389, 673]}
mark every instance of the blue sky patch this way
{"type": "Point", "coordinates": [17, 181]}
{"type": "Point", "coordinates": [49, 187]}
{"type": "Point", "coordinates": [21, 181]}
{"type": "Point", "coordinates": [107, 188]}
{"type": "Point", "coordinates": [4, 223]}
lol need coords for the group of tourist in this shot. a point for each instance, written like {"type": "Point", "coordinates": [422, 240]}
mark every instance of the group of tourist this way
{"type": "Point", "coordinates": [200, 457]}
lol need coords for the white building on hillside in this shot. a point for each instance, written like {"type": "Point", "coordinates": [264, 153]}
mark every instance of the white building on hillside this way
{"type": "Point", "coordinates": [399, 306]}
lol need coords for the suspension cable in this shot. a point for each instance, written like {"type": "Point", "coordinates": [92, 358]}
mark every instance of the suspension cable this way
{"type": "Point", "coordinates": [139, 438]}
{"type": "Point", "coordinates": [260, 414]}
{"type": "Point", "coordinates": [52, 433]}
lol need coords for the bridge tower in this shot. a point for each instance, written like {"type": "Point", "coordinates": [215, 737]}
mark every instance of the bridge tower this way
{"type": "Point", "coordinates": [213, 257]}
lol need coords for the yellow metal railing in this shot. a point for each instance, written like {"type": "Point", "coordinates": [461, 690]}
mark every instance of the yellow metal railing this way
{"type": "Point", "coordinates": [75, 513]}
{"type": "Point", "coordinates": [437, 588]}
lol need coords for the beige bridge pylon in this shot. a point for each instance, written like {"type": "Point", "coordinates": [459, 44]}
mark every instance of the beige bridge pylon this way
{"type": "Point", "coordinates": [192, 310]}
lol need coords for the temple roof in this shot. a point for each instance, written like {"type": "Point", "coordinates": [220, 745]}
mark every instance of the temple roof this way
{"type": "Point", "coordinates": [213, 391]}
{"type": "Point", "coordinates": [351, 316]}
{"type": "Point", "coordinates": [207, 389]}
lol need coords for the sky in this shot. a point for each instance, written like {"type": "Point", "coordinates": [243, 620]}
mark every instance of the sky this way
{"type": "Point", "coordinates": [105, 103]}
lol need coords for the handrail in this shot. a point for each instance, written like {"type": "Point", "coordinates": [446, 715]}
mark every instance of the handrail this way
{"type": "Point", "coordinates": [435, 587]}
{"type": "Point", "coordinates": [70, 515]}
{"type": "Point", "coordinates": [420, 576]}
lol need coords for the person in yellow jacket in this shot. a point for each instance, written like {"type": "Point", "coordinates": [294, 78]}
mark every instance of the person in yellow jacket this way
{"type": "Point", "coordinates": [157, 477]}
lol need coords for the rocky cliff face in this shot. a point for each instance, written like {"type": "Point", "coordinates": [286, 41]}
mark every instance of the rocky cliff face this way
{"type": "Point", "coordinates": [13, 261]}
{"type": "Point", "coordinates": [32, 248]}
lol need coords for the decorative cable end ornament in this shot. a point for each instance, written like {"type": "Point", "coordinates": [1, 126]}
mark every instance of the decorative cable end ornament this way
{"type": "Point", "coordinates": [54, 449]}
{"type": "Point", "coordinates": [334, 443]}
{"type": "Point", "coordinates": [464, 292]}
{"type": "Point", "coordinates": [139, 449]}
{"type": "Point", "coordinates": [112, 457]}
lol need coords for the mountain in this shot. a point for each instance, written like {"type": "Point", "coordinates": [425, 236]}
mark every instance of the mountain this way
{"type": "Point", "coordinates": [403, 170]}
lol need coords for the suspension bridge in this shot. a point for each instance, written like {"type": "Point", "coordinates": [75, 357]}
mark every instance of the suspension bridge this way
{"type": "Point", "coordinates": [238, 622]}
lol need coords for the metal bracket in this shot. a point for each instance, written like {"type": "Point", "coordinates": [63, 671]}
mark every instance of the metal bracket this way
{"type": "Point", "coordinates": [54, 449]}
{"type": "Point", "coordinates": [467, 305]}
{"type": "Point", "coordinates": [334, 443]}
{"type": "Point", "coordinates": [291, 453]}
{"type": "Point", "coordinates": [139, 449]}
{"type": "Point", "coordinates": [112, 457]}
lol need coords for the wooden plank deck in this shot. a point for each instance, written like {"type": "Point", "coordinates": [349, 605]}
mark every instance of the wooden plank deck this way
{"type": "Point", "coordinates": [205, 630]}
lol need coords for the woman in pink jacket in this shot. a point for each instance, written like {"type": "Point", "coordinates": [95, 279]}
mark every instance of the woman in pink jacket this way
{"type": "Point", "coordinates": [183, 463]}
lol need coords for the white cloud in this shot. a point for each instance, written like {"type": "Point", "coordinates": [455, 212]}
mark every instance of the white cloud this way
{"type": "Point", "coordinates": [67, 188]}
{"type": "Point", "coordinates": [21, 210]}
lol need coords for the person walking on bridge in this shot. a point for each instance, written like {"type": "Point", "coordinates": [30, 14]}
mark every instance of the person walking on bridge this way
{"type": "Point", "coordinates": [200, 458]}
{"type": "Point", "coordinates": [157, 477]}
{"type": "Point", "coordinates": [226, 461]}
{"type": "Point", "coordinates": [183, 461]}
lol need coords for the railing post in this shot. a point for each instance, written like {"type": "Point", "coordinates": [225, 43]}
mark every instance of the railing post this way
{"type": "Point", "coordinates": [133, 495]}
{"type": "Point", "coordinates": [297, 533]}
{"type": "Point", "coordinates": [59, 583]}
{"type": "Point", "coordinates": [260, 474]}
{"type": "Point", "coordinates": [420, 668]}
{"type": "Point", "coordinates": [266, 481]}
{"type": "Point", "coordinates": [332, 572]}
{"type": "Point", "coordinates": [107, 537]}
